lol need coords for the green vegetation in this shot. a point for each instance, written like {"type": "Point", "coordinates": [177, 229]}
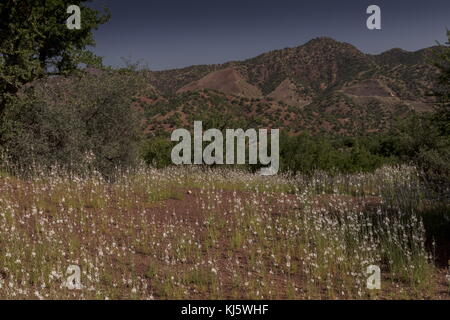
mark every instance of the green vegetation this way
{"type": "Point", "coordinates": [188, 233]}
{"type": "Point", "coordinates": [358, 187]}
{"type": "Point", "coordinates": [83, 121]}
{"type": "Point", "coordinates": [53, 114]}
{"type": "Point", "coordinates": [402, 136]}
{"type": "Point", "coordinates": [34, 42]}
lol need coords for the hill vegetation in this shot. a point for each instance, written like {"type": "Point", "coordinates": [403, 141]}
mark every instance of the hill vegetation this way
{"type": "Point", "coordinates": [365, 154]}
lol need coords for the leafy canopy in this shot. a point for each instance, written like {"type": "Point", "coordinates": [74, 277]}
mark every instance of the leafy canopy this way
{"type": "Point", "coordinates": [35, 41]}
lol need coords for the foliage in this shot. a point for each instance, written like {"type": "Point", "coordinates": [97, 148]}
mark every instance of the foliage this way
{"type": "Point", "coordinates": [156, 152]}
{"type": "Point", "coordinates": [442, 116]}
{"type": "Point", "coordinates": [35, 40]}
{"type": "Point", "coordinates": [77, 121]}
{"type": "Point", "coordinates": [305, 153]}
{"type": "Point", "coordinates": [187, 233]}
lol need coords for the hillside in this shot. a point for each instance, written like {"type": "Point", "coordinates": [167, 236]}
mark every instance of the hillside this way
{"type": "Point", "coordinates": [321, 86]}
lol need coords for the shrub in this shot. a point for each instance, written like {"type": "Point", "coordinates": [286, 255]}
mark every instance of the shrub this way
{"type": "Point", "coordinates": [156, 152]}
{"type": "Point", "coordinates": [62, 120]}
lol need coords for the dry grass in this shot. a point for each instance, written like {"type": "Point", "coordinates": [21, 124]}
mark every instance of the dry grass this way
{"type": "Point", "coordinates": [183, 233]}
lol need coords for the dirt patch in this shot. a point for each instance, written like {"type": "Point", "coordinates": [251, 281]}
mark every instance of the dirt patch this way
{"type": "Point", "coordinates": [228, 81]}
{"type": "Point", "coordinates": [287, 93]}
{"type": "Point", "coordinates": [368, 88]}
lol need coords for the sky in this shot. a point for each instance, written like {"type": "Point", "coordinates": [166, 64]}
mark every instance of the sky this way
{"type": "Point", "coordinates": [169, 34]}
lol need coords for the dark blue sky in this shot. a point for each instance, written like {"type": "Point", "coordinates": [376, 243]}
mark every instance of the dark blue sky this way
{"type": "Point", "coordinates": [177, 33]}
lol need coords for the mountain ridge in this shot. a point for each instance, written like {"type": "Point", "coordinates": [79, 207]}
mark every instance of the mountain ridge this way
{"type": "Point", "coordinates": [255, 69]}
{"type": "Point", "coordinates": [322, 86]}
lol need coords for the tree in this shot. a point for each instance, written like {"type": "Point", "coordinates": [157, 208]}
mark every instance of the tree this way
{"type": "Point", "coordinates": [83, 122]}
{"type": "Point", "coordinates": [35, 42]}
{"type": "Point", "coordinates": [442, 116]}
{"type": "Point", "coordinates": [425, 139]}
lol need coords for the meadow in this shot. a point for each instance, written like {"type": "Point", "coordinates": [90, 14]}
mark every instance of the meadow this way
{"type": "Point", "coordinates": [196, 233]}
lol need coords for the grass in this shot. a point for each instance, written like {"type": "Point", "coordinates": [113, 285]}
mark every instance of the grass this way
{"type": "Point", "coordinates": [182, 233]}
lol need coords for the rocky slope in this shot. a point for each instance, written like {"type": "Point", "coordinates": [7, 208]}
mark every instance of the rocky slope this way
{"type": "Point", "coordinates": [321, 86]}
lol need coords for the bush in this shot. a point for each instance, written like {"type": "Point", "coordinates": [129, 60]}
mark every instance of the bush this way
{"type": "Point", "coordinates": [305, 153]}
{"type": "Point", "coordinates": [157, 151]}
{"type": "Point", "coordinates": [76, 122]}
{"type": "Point", "coordinates": [420, 141]}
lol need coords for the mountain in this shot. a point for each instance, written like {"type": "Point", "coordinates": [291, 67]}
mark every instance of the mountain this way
{"type": "Point", "coordinates": [321, 86]}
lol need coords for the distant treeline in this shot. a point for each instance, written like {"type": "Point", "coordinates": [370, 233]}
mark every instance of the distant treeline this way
{"type": "Point", "coordinates": [86, 122]}
{"type": "Point", "coordinates": [414, 140]}
{"type": "Point", "coordinates": [60, 107]}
